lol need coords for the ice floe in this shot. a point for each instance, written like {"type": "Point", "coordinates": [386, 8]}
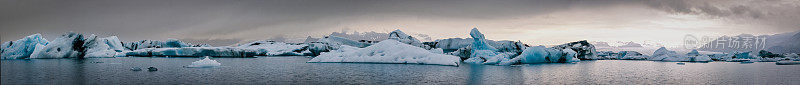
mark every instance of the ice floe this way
{"type": "Point", "coordinates": [387, 51]}
{"type": "Point", "coordinates": [23, 48]}
{"type": "Point", "coordinates": [204, 63]}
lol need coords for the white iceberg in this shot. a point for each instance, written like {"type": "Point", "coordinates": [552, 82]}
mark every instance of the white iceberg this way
{"type": "Point", "coordinates": [309, 39]}
{"type": "Point", "coordinates": [405, 38]}
{"type": "Point", "coordinates": [74, 45]}
{"type": "Point", "coordinates": [787, 62]}
{"type": "Point", "coordinates": [602, 55]}
{"type": "Point", "coordinates": [271, 48]}
{"type": "Point", "coordinates": [335, 40]}
{"type": "Point", "coordinates": [329, 43]}
{"type": "Point", "coordinates": [194, 52]}
{"type": "Point", "coordinates": [662, 54]}
{"type": "Point", "coordinates": [702, 58]}
{"type": "Point", "coordinates": [69, 45]}
{"type": "Point", "coordinates": [204, 63]}
{"type": "Point", "coordinates": [721, 57]}
{"type": "Point", "coordinates": [631, 55]}
{"type": "Point", "coordinates": [387, 51]}
{"type": "Point", "coordinates": [22, 48]}
{"type": "Point", "coordinates": [104, 47]}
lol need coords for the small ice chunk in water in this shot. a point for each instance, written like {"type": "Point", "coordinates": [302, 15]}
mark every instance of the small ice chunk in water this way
{"type": "Point", "coordinates": [152, 69]}
{"type": "Point", "coordinates": [205, 63]}
{"type": "Point", "coordinates": [787, 62]}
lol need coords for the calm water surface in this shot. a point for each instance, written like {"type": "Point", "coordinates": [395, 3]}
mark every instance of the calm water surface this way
{"type": "Point", "coordinates": [294, 70]}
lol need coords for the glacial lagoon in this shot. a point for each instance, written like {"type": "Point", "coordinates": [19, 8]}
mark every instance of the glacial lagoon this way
{"type": "Point", "coordinates": [295, 70]}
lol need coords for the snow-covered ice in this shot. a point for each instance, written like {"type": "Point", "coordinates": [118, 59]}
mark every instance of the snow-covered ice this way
{"type": "Point", "coordinates": [67, 46]}
{"type": "Point", "coordinates": [335, 40]}
{"type": "Point", "coordinates": [405, 38]}
{"type": "Point", "coordinates": [330, 43]}
{"type": "Point", "coordinates": [787, 62]}
{"type": "Point", "coordinates": [194, 52]}
{"type": "Point", "coordinates": [204, 63]}
{"type": "Point", "coordinates": [631, 55]}
{"type": "Point", "coordinates": [104, 47]}
{"type": "Point", "coordinates": [662, 54]}
{"type": "Point", "coordinates": [386, 51]}
{"type": "Point", "coordinates": [271, 48]}
{"type": "Point", "coordinates": [74, 45]}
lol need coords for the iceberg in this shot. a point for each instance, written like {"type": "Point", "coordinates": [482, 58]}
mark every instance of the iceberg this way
{"type": "Point", "coordinates": [105, 47]}
{"type": "Point", "coordinates": [175, 43]}
{"type": "Point", "coordinates": [458, 43]}
{"type": "Point", "coordinates": [74, 45]}
{"type": "Point", "coordinates": [23, 48]}
{"type": "Point", "coordinates": [702, 58]}
{"type": "Point", "coordinates": [721, 57]}
{"type": "Point", "coordinates": [204, 63]}
{"type": "Point", "coordinates": [584, 49]}
{"type": "Point", "coordinates": [792, 55]}
{"type": "Point", "coordinates": [744, 55]}
{"type": "Point", "coordinates": [271, 48]}
{"type": "Point", "coordinates": [662, 54]}
{"type": "Point", "coordinates": [479, 41]}
{"type": "Point", "coordinates": [70, 45]}
{"type": "Point", "coordinates": [170, 43]}
{"type": "Point", "coordinates": [631, 55]}
{"type": "Point", "coordinates": [693, 53]}
{"type": "Point", "coordinates": [194, 52]}
{"type": "Point", "coordinates": [386, 51]}
{"type": "Point", "coordinates": [335, 40]}
{"type": "Point", "coordinates": [405, 38]}
{"type": "Point", "coordinates": [483, 53]}
{"type": "Point", "coordinates": [787, 62]}
{"type": "Point", "coordinates": [436, 50]}
{"type": "Point", "coordinates": [676, 59]}
{"type": "Point", "coordinates": [536, 54]}
{"type": "Point", "coordinates": [316, 48]}
{"type": "Point", "coordinates": [257, 48]}
{"type": "Point", "coordinates": [329, 43]}
{"type": "Point", "coordinates": [770, 59]}
{"type": "Point", "coordinates": [540, 54]}
{"type": "Point", "coordinates": [602, 55]}
{"type": "Point", "coordinates": [309, 39]}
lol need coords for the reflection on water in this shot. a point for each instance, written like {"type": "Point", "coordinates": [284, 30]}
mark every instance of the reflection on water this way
{"type": "Point", "coordinates": [294, 70]}
{"type": "Point", "coordinates": [475, 74]}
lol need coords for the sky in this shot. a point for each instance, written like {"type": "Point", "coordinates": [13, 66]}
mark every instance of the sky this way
{"type": "Point", "coordinates": [536, 22]}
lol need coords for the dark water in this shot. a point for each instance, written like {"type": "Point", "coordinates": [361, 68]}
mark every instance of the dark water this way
{"type": "Point", "coordinates": [294, 70]}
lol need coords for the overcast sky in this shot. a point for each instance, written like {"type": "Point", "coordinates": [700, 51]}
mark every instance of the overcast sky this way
{"type": "Point", "coordinates": [531, 21]}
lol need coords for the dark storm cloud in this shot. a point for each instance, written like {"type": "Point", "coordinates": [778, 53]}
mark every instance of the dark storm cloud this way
{"type": "Point", "coordinates": [160, 19]}
{"type": "Point", "coordinates": [782, 14]}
